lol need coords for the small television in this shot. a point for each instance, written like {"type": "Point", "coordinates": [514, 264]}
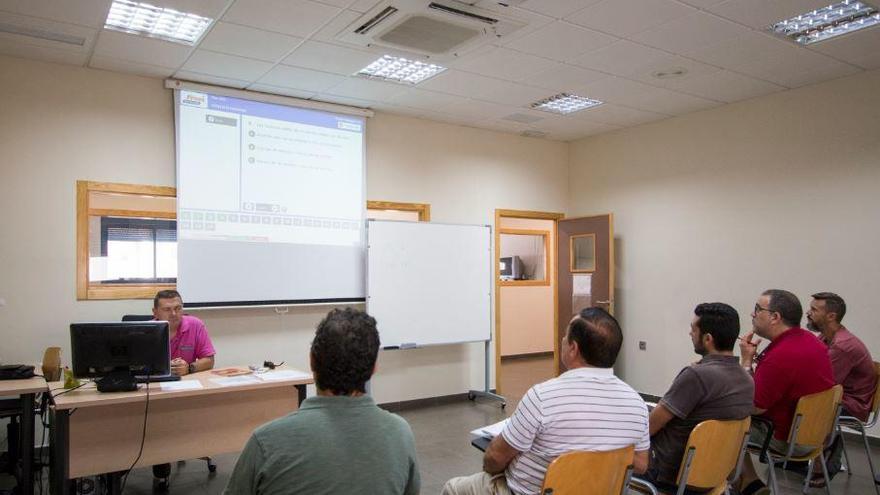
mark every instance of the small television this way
{"type": "Point", "coordinates": [117, 352]}
{"type": "Point", "coordinates": [511, 268]}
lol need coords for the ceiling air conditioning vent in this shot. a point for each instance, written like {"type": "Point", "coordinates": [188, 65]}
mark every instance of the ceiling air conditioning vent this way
{"type": "Point", "coordinates": [435, 30]}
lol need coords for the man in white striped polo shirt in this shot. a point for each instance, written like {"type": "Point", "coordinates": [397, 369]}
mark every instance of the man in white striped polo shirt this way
{"type": "Point", "coordinates": [585, 408]}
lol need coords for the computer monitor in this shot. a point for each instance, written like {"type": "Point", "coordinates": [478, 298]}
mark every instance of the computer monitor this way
{"type": "Point", "coordinates": [511, 268]}
{"type": "Point", "coordinates": [116, 352]}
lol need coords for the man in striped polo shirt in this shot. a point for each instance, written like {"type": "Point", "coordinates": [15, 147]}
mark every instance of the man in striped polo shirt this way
{"type": "Point", "coordinates": [585, 408]}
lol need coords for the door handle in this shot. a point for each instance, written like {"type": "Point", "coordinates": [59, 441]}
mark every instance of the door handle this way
{"type": "Point", "coordinates": [605, 302]}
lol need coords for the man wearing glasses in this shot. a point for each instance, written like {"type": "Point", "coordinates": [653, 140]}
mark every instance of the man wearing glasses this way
{"type": "Point", "coordinates": [794, 364]}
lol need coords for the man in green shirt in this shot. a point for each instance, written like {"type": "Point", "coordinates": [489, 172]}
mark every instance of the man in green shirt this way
{"type": "Point", "coordinates": [337, 442]}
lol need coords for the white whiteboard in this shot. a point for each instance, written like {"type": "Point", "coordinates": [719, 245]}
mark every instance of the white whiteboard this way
{"type": "Point", "coordinates": [428, 283]}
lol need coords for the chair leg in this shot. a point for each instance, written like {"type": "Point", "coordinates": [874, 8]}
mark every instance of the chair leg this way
{"type": "Point", "coordinates": [846, 462]}
{"type": "Point", "coordinates": [870, 460]}
{"type": "Point", "coordinates": [808, 476]}
{"type": "Point", "coordinates": [771, 474]}
{"type": "Point", "coordinates": [825, 474]}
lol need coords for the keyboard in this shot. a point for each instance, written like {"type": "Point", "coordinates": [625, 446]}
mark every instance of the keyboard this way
{"type": "Point", "coordinates": [156, 378]}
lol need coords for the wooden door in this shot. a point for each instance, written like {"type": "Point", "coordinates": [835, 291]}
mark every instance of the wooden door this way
{"type": "Point", "coordinates": [585, 273]}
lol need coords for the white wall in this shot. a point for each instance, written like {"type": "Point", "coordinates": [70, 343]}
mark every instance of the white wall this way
{"type": "Point", "coordinates": [59, 124]}
{"type": "Point", "coordinates": [781, 191]}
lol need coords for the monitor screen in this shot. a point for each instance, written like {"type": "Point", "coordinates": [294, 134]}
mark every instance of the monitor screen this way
{"type": "Point", "coordinates": [140, 348]}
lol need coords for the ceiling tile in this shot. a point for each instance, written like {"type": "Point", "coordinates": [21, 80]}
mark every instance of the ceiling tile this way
{"type": "Point", "coordinates": [329, 58]}
{"type": "Point", "coordinates": [302, 79]}
{"type": "Point", "coordinates": [337, 24]}
{"type": "Point", "coordinates": [627, 17]}
{"type": "Point", "coordinates": [357, 87]}
{"type": "Point", "coordinates": [90, 13]}
{"type": "Point", "coordinates": [81, 38]}
{"type": "Point", "coordinates": [861, 48]}
{"type": "Point", "coordinates": [727, 86]}
{"type": "Point", "coordinates": [362, 5]}
{"type": "Point", "coordinates": [787, 60]}
{"type": "Point", "coordinates": [337, 3]}
{"type": "Point", "coordinates": [293, 17]}
{"type": "Point", "coordinates": [690, 33]}
{"type": "Point", "coordinates": [475, 111]}
{"type": "Point", "coordinates": [343, 100]}
{"type": "Point", "coordinates": [278, 90]}
{"type": "Point", "coordinates": [692, 68]}
{"type": "Point", "coordinates": [741, 51]}
{"type": "Point", "coordinates": [141, 49]}
{"type": "Point", "coordinates": [204, 8]}
{"type": "Point", "coordinates": [43, 53]}
{"type": "Point", "coordinates": [109, 63]}
{"type": "Point", "coordinates": [561, 41]}
{"type": "Point", "coordinates": [427, 100]}
{"type": "Point", "coordinates": [807, 76]}
{"type": "Point", "coordinates": [565, 78]}
{"type": "Point", "coordinates": [645, 97]}
{"type": "Point", "coordinates": [226, 66]}
{"type": "Point", "coordinates": [210, 79]}
{"type": "Point", "coordinates": [702, 4]}
{"type": "Point", "coordinates": [619, 115]}
{"type": "Point", "coordinates": [621, 58]}
{"type": "Point", "coordinates": [760, 14]}
{"type": "Point", "coordinates": [504, 63]}
{"type": "Point", "coordinates": [248, 42]}
{"type": "Point", "coordinates": [557, 8]}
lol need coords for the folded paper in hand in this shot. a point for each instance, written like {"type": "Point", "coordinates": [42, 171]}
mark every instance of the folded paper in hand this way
{"type": "Point", "coordinates": [490, 431]}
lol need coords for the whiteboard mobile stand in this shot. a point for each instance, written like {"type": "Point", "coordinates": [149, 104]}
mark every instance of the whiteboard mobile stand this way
{"type": "Point", "coordinates": [414, 268]}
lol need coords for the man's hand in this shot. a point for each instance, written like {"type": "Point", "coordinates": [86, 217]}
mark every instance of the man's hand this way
{"type": "Point", "coordinates": [748, 347]}
{"type": "Point", "coordinates": [179, 367]}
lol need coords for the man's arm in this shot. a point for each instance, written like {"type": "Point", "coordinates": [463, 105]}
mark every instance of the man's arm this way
{"type": "Point", "coordinates": [202, 364]}
{"type": "Point", "coordinates": [245, 477]}
{"type": "Point", "coordinates": [658, 418]}
{"type": "Point", "coordinates": [498, 455]}
{"type": "Point", "coordinates": [640, 461]}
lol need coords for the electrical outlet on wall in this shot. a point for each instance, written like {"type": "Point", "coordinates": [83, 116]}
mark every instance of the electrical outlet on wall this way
{"type": "Point", "coordinates": [643, 346]}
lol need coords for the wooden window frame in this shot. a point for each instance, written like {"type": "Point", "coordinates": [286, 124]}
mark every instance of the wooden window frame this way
{"type": "Point", "coordinates": [529, 283]}
{"type": "Point", "coordinates": [423, 209]}
{"type": "Point", "coordinates": [571, 267]}
{"type": "Point", "coordinates": [85, 290]}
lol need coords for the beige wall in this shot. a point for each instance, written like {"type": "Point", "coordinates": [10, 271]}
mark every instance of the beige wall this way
{"type": "Point", "coordinates": [59, 124]}
{"type": "Point", "coordinates": [781, 191]}
{"type": "Point", "coordinates": [526, 314]}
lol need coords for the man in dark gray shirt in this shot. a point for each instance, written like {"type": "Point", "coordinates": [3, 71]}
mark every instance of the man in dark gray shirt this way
{"type": "Point", "coordinates": [716, 387]}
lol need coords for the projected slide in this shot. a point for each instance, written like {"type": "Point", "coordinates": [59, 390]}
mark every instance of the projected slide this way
{"type": "Point", "coordinates": [270, 203]}
{"type": "Point", "coordinates": [261, 172]}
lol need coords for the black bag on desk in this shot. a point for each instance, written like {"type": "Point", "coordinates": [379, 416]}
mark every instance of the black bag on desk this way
{"type": "Point", "coordinates": [16, 371]}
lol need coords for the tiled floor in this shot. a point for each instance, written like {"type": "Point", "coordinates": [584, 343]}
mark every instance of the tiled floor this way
{"type": "Point", "coordinates": [444, 447]}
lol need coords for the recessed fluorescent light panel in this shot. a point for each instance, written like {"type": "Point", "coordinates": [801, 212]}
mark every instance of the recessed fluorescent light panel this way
{"type": "Point", "coordinates": [565, 103]}
{"type": "Point", "coordinates": [400, 70]}
{"type": "Point", "coordinates": [828, 22]}
{"type": "Point", "coordinates": [156, 22]}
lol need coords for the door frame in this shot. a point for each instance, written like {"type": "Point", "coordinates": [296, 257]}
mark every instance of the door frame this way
{"type": "Point", "coordinates": [534, 215]}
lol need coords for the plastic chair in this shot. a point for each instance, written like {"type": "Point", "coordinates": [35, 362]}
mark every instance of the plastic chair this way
{"type": "Point", "coordinates": [814, 421]}
{"type": "Point", "coordinates": [714, 450]}
{"type": "Point", "coordinates": [856, 424]}
{"type": "Point", "coordinates": [586, 473]}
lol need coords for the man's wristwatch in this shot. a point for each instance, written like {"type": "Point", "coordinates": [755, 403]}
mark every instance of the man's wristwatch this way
{"type": "Point", "coordinates": [192, 367]}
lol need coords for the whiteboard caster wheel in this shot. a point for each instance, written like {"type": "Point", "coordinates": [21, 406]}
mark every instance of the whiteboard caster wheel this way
{"type": "Point", "coordinates": [471, 396]}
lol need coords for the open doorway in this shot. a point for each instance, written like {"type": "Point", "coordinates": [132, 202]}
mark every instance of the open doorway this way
{"type": "Point", "coordinates": [525, 300]}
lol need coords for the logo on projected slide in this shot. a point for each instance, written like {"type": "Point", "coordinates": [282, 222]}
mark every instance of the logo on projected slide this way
{"type": "Point", "coordinates": [193, 99]}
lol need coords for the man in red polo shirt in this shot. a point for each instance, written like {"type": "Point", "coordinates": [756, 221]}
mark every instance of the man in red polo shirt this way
{"type": "Point", "coordinates": [793, 365]}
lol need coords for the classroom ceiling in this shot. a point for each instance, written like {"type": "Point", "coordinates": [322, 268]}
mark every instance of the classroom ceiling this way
{"type": "Point", "coordinates": [603, 49]}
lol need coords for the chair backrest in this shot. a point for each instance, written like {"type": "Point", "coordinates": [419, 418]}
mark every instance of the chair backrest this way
{"type": "Point", "coordinates": [586, 473]}
{"type": "Point", "coordinates": [137, 317]}
{"type": "Point", "coordinates": [875, 402]}
{"type": "Point", "coordinates": [717, 447]}
{"type": "Point", "coordinates": [817, 413]}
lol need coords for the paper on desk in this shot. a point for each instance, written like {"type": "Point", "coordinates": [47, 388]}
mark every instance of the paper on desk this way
{"type": "Point", "coordinates": [289, 374]}
{"type": "Point", "coordinates": [490, 431]}
{"type": "Point", "coordinates": [232, 381]}
{"type": "Point", "coordinates": [182, 385]}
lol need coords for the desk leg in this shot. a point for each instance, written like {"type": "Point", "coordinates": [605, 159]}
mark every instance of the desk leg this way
{"type": "Point", "coordinates": [301, 394]}
{"type": "Point", "coordinates": [27, 444]}
{"type": "Point", "coordinates": [59, 451]}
